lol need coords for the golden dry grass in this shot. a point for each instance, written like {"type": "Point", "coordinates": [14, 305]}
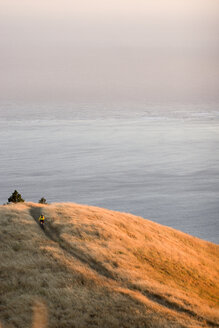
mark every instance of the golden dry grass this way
{"type": "Point", "coordinates": [98, 268]}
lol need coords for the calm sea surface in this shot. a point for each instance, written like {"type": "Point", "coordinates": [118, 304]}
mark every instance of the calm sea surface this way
{"type": "Point", "coordinates": [159, 163]}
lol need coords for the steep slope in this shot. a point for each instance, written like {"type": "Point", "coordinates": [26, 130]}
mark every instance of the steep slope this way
{"type": "Point", "coordinates": [93, 267]}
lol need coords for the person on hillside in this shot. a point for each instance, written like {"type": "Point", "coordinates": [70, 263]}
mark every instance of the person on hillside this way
{"type": "Point", "coordinates": [42, 220]}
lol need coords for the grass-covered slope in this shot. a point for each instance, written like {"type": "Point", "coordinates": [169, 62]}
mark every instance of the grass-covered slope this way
{"type": "Point", "coordinates": [98, 268]}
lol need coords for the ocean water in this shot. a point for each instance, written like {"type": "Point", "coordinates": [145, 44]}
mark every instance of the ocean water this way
{"type": "Point", "coordinates": [158, 162]}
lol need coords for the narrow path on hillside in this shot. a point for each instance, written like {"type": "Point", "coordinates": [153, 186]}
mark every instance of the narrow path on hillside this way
{"type": "Point", "coordinates": [53, 234]}
{"type": "Point", "coordinates": [175, 306]}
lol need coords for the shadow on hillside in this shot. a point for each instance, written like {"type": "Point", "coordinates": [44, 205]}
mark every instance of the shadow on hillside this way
{"type": "Point", "coordinates": [52, 233]}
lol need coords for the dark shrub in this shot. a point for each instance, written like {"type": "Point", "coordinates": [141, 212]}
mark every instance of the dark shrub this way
{"type": "Point", "coordinates": [42, 201]}
{"type": "Point", "coordinates": [15, 197]}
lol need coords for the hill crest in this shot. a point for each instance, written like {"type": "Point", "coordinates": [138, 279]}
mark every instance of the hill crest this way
{"type": "Point", "coordinates": [103, 268]}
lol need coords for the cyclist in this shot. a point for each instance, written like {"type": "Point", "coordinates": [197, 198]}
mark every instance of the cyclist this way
{"type": "Point", "coordinates": [42, 220]}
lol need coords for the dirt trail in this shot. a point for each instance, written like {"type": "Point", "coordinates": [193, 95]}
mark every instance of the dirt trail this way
{"type": "Point", "coordinates": [52, 233]}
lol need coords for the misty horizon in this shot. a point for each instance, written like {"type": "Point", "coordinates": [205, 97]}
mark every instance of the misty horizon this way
{"type": "Point", "coordinates": [109, 52]}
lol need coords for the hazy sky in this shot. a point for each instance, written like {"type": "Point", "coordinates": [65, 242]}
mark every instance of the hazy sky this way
{"type": "Point", "coordinates": [109, 51]}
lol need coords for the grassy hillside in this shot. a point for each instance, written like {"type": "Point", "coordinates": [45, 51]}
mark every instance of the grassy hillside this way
{"type": "Point", "coordinates": [98, 268]}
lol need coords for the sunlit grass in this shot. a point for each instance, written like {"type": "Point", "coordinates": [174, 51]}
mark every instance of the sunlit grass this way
{"type": "Point", "coordinates": [98, 268]}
